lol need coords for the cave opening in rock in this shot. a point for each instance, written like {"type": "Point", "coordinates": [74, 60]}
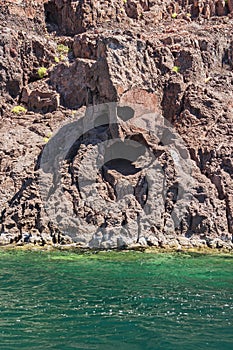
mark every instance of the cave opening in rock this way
{"type": "Point", "coordinates": [125, 113]}
{"type": "Point", "coordinates": [126, 149]}
{"type": "Point", "coordinates": [122, 166]}
{"type": "Point", "coordinates": [51, 16]}
{"type": "Point", "coordinates": [121, 156]}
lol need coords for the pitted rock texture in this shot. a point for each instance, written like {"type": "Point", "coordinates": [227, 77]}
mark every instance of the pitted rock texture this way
{"type": "Point", "coordinates": [74, 17]}
{"type": "Point", "coordinates": [21, 54]}
{"type": "Point", "coordinates": [23, 14]}
{"type": "Point", "coordinates": [172, 58]}
{"type": "Point", "coordinates": [122, 200]}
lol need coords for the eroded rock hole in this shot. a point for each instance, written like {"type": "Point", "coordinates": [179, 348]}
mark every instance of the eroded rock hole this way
{"type": "Point", "coordinates": [125, 113]}
{"type": "Point", "coordinates": [13, 86]}
{"type": "Point", "coordinates": [124, 150]}
{"type": "Point", "coordinates": [122, 166]}
{"type": "Point", "coordinates": [52, 17]}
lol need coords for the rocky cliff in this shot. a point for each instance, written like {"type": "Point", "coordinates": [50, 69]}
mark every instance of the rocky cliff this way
{"type": "Point", "coordinates": [116, 123]}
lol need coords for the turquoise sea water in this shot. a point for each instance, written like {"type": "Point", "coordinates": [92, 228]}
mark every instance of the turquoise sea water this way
{"type": "Point", "coordinates": [115, 301]}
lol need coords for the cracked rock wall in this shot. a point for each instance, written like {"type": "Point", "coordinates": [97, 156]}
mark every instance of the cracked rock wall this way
{"type": "Point", "coordinates": [176, 66]}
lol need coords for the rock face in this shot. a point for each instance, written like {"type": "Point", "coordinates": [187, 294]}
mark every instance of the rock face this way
{"type": "Point", "coordinates": [151, 162]}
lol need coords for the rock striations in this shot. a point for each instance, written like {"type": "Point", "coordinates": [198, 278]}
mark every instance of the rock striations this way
{"type": "Point", "coordinates": [116, 123]}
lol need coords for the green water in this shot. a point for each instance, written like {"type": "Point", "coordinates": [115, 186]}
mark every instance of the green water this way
{"type": "Point", "coordinates": [115, 301]}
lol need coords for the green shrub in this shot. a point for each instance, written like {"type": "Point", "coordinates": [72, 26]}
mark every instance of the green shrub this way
{"type": "Point", "coordinates": [176, 69]}
{"type": "Point", "coordinates": [18, 110]}
{"type": "Point", "coordinates": [56, 59]}
{"type": "Point", "coordinates": [62, 49]}
{"type": "Point", "coordinates": [47, 138]}
{"type": "Point", "coordinates": [42, 72]}
{"type": "Point", "coordinates": [62, 58]}
{"type": "Point", "coordinates": [174, 15]}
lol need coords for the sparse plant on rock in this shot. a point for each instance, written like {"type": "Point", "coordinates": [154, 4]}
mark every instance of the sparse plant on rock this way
{"type": "Point", "coordinates": [174, 15]}
{"type": "Point", "coordinates": [42, 71]}
{"type": "Point", "coordinates": [19, 110]}
{"type": "Point", "coordinates": [176, 69]}
{"type": "Point", "coordinates": [46, 138]}
{"type": "Point", "coordinates": [62, 53]}
{"type": "Point", "coordinates": [62, 49]}
{"type": "Point", "coordinates": [63, 58]}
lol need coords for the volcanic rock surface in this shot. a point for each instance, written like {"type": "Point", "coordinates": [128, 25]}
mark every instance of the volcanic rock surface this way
{"type": "Point", "coordinates": [125, 139]}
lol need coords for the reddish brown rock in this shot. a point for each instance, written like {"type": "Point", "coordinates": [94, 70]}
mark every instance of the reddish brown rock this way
{"type": "Point", "coordinates": [39, 98]}
{"type": "Point", "coordinates": [148, 52]}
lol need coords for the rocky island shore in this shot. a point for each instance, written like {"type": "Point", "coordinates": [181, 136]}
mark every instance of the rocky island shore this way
{"type": "Point", "coordinates": [116, 83]}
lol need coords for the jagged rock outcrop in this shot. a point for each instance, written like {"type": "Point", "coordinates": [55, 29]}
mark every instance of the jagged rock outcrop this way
{"type": "Point", "coordinates": [39, 98]}
{"type": "Point", "coordinates": [168, 65]}
{"type": "Point", "coordinates": [21, 55]}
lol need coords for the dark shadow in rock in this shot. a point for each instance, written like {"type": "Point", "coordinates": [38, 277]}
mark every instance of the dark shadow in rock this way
{"type": "Point", "coordinates": [64, 17]}
{"type": "Point", "coordinates": [13, 86]}
{"type": "Point", "coordinates": [125, 113]}
{"type": "Point", "coordinates": [102, 120]}
{"type": "Point", "coordinates": [122, 166]}
{"type": "Point", "coordinates": [18, 194]}
{"type": "Point", "coordinates": [87, 139]}
{"type": "Point", "coordinates": [124, 150]}
{"type": "Point", "coordinates": [51, 16]}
